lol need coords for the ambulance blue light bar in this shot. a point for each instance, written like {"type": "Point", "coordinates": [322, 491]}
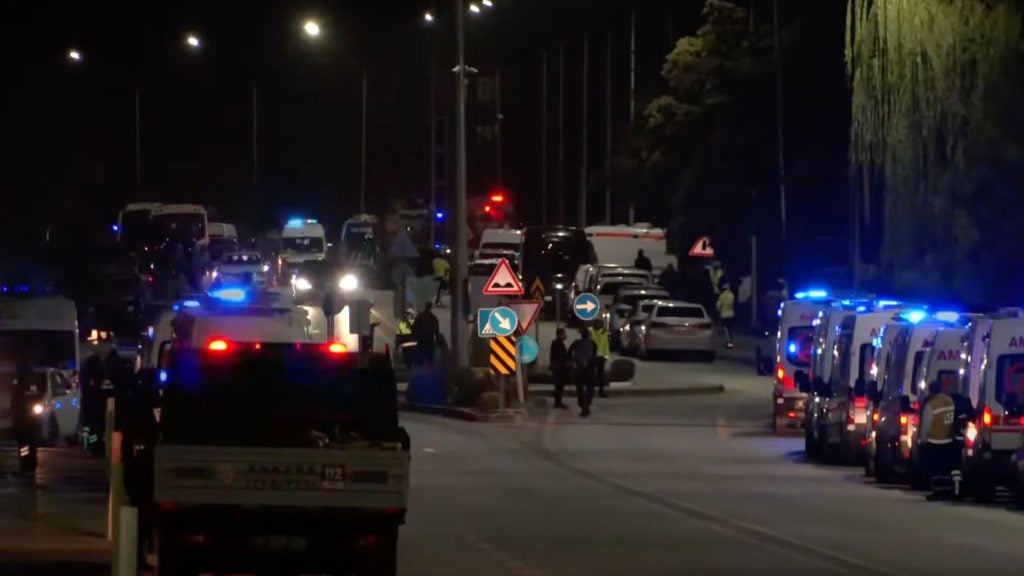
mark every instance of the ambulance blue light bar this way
{"type": "Point", "coordinates": [914, 316]}
{"type": "Point", "coordinates": [295, 223]}
{"type": "Point", "coordinates": [812, 293]}
{"type": "Point", "coordinates": [230, 294]}
{"type": "Point", "coordinates": [947, 316]}
{"type": "Point", "coordinates": [190, 303]}
{"type": "Point", "coordinates": [887, 303]}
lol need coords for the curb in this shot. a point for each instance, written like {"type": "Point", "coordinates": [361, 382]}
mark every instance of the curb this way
{"type": "Point", "coordinates": [650, 392]}
{"type": "Point", "coordinates": [464, 414]}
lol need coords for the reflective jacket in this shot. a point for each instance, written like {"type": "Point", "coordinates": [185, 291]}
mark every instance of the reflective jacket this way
{"type": "Point", "coordinates": [603, 341]}
{"type": "Point", "coordinates": [937, 419]}
{"type": "Point", "coordinates": [726, 304]}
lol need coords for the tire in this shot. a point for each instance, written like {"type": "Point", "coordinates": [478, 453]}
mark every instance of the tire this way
{"type": "Point", "coordinates": [983, 489]}
{"type": "Point", "coordinates": [174, 563]}
{"type": "Point", "coordinates": [384, 560]}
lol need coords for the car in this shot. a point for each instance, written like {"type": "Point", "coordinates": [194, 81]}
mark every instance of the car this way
{"type": "Point", "coordinates": [673, 326]}
{"type": "Point", "coordinates": [59, 406]}
{"type": "Point", "coordinates": [793, 342]}
{"type": "Point", "coordinates": [623, 307]}
{"type": "Point", "coordinates": [244, 268]}
{"type": "Point", "coordinates": [639, 312]}
{"type": "Point", "coordinates": [500, 240]}
{"type": "Point", "coordinates": [608, 288]}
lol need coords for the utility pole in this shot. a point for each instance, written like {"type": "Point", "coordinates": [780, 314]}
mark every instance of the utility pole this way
{"type": "Point", "coordinates": [255, 140]}
{"type": "Point", "coordinates": [561, 134]}
{"type": "Point", "coordinates": [138, 145]}
{"type": "Point", "coordinates": [583, 132]}
{"type": "Point", "coordinates": [632, 97]}
{"type": "Point", "coordinates": [497, 124]}
{"type": "Point", "coordinates": [460, 342]}
{"type": "Point", "coordinates": [433, 144]}
{"type": "Point", "coordinates": [362, 162]}
{"type": "Point", "coordinates": [544, 138]}
{"type": "Point", "coordinates": [608, 130]}
{"type": "Point", "coordinates": [778, 117]}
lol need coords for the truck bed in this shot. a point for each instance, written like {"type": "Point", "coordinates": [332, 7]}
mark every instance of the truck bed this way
{"type": "Point", "coordinates": [354, 478]}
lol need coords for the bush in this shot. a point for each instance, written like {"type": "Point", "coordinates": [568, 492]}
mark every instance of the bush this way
{"type": "Point", "coordinates": [621, 370]}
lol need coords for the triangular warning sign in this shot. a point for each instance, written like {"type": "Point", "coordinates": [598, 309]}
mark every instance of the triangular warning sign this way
{"type": "Point", "coordinates": [702, 248]}
{"type": "Point", "coordinates": [503, 281]}
{"type": "Point", "coordinates": [526, 310]}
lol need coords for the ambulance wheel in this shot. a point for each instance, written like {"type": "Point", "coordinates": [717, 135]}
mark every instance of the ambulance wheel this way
{"type": "Point", "coordinates": [869, 466]}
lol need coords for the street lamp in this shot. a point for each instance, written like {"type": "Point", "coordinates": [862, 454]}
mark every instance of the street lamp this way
{"type": "Point", "coordinates": [193, 41]}
{"type": "Point", "coordinates": [428, 17]}
{"type": "Point", "coordinates": [311, 28]}
{"type": "Point", "coordinates": [488, 3]}
{"type": "Point", "coordinates": [74, 55]}
{"type": "Point", "coordinates": [474, 7]}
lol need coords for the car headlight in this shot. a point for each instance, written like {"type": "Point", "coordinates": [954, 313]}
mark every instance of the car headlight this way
{"type": "Point", "coordinates": [348, 283]}
{"type": "Point", "coordinates": [301, 284]}
{"type": "Point", "coordinates": [559, 286]}
{"type": "Point", "coordinates": [37, 409]}
{"type": "Point", "coordinates": [266, 268]}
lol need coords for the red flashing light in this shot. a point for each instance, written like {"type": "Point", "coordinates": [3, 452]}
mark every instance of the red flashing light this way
{"type": "Point", "coordinates": [217, 345]}
{"type": "Point", "coordinates": [257, 346]}
{"type": "Point", "coordinates": [497, 198]}
{"type": "Point", "coordinates": [337, 348]}
{"type": "Point", "coordinates": [487, 208]}
{"type": "Point", "coordinates": [791, 415]}
{"type": "Point", "coordinates": [986, 416]}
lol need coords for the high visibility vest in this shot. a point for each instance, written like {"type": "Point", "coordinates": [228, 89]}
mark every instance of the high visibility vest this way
{"type": "Point", "coordinates": [937, 419]}
{"type": "Point", "coordinates": [603, 342]}
{"type": "Point", "coordinates": [726, 304]}
{"type": "Point", "coordinates": [404, 329]}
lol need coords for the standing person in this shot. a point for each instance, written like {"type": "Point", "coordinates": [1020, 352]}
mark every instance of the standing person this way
{"type": "Point", "coordinates": [441, 270]}
{"type": "Point", "coordinates": [963, 412]}
{"type": "Point", "coordinates": [561, 366]}
{"type": "Point", "coordinates": [669, 280]}
{"type": "Point", "coordinates": [717, 274]}
{"type": "Point", "coordinates": [425, 330]}
{"type": "Point", "coordinates": [583, 353]}
{"type": "Point", "coordinates": [938, 416]}
{"type": "Point", "coordinates": [404, 340]}
{"type": "Point", "coordinates": [727, 312]}
{"type": "Point", "coordinates": [26, 428]}
{"type": "Point", "coordinates": [642, 262]}
{"type": "Point", "coordinates": [602, 340]}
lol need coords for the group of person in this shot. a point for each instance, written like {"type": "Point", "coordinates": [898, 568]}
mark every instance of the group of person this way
{"type": "Point", "coordinates": [418, 336]}
{"type": "Point", "coordinates": [582, 363]}
{"type": "Point", "coordinates": [724, 296]}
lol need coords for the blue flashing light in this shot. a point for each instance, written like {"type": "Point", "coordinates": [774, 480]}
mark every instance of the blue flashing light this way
{"type": "Point", "coordinates": [150, 332]}
{"type": "Point", "coordinates": [812, 293]}
{"type": "Point", "coordinates": [190, 304]}
{"type": "Point", "coordinates": [115, 227]}
{"type": "Point", "coordinates": [229, 294]}
{"type": "Point", "coordinates": [914, 316]}
{"type": "Point", "coordinates": [5, 288]}
{"type": "Point", "coordinates": [57, 405]}
{"type": "Point", "coordinates": [792, 348]}
{"type": "Point", "coordinates": [947, 316]}
{"type": "Point", "coordinates": [295, 223]}
{"type": "Point", "coordinates": [176, 307]}
{"type": "Point", "coordinates": [888, 303]}
{"type": "Point", "coordinates": [22, 288]}
{"type": "Point", "coordinates": [862, 308]}
{"type": "Point", "coordinates": [439, 215]}
{"type": "Point", "coordinates": [162, 376]}
{"type": "Point", "coordinates": [437, 246]}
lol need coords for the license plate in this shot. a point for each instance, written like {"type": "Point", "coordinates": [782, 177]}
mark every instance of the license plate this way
{"type": "Point", "coordinates": [332, 477]}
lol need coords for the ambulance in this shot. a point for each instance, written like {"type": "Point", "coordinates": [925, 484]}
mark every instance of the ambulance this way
{"type": "Point", "coordinates": [793, 344]}
{"type": "Point", "coordinates": [302, 239]}
{"type": "Point", "coordinates": [817, 384]}
{"type": "Point", "coordinates": [995, 384]}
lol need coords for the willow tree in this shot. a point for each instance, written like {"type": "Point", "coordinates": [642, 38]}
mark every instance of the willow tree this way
{"type": "Point", "coordinates": [936, 142]}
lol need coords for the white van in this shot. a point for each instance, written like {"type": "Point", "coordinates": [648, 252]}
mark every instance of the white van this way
{"type": "Point", "coordinates": [818, 384]}
{"type": "Point", "coordinates": [793, 344]}
{"type": "Point", "coordinates": [133, 224]}
{"type": "Point", "coordinates": [620, 244]}
{"type": "Point", "coordinates": [44, 331]}
{"type": "Point", "coordinates": [302, 239]}
{"type": "Point", "coordinates": [180, 222]}
{"type": "Point", "coordinates": [496, 242]}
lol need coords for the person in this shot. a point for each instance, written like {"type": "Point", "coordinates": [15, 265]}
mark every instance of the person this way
{"type": "Point", "coordinates": [441, 270]}
{"type": "Point", "coordinates": [26, 429]}
{"type": "Point", "coordinates": [727, 312]}
{"type": "Point", "coordinates": [93, 405]}
{"type": "Point", "coordinates": [425, 330]}
{"type": "Point", "coordinates": [717, 274]}
{"type": "Point", "coordinates": [642, 262]}
{"type": "Point", "coordinates": [602, 340]}
{"type": "Point", "coordinates": [963, 412]}
{"type": "Point", "coordinates": [404, 340]}
{"type": "Point", "coordinates": [669, 280]}
{"type": "Point", "coordinates": [583, 353]}
{"type": "Point", "coordinates": [935, 444]}
{"type": "Point", "coordinates": [561, 365]}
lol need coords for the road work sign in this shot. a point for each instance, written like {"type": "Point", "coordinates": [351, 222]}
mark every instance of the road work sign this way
{"type": "Point", "coordinates": [702, 248]}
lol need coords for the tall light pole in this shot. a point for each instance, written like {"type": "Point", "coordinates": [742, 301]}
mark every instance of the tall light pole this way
{"type": "Point", "coordinates": [544, 138]}
{"type": "Point", "coordinates": [362, 148]}
{"type": "Point", "coordinates": [632, 96]}
{"type": "Point", "coordinates": [608, 129]}
{"type": "Point", "coordinates": [460, 341]}
{"type": "Point", "coordinates": [778, 117]}
{"type": "Point", "coordinates": [561, 135]}
{"type": "Point", "coordinates": [583, 132]}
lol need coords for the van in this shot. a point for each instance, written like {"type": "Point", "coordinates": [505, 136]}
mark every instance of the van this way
{"type": "Point", "coordinates": [223, 239]}
{"type": "Point", "coordinates": [794, 342]}
{"type": "Point", "coordinates": [180, 223]}
{"type": "Point", "coordinates": [551, 256]}
{"type": "Point", "coordinates": [620, 244]}
{"type": "Point", "coordinates": [820, 377]}
{"type": "Point", "coordinates": [500, 241]}
{"type": "Point", "coordinates": [302, 239]}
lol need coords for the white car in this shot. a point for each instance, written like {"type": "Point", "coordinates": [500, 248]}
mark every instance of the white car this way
{"type": "Point", "coordinates": [241, 268]}
{"type": "Point", "coordinates": [673, 326]}
{"type": "Point", "coordinates": [623, 307]}
{"type": "Point", "coordinates": [608, 288]}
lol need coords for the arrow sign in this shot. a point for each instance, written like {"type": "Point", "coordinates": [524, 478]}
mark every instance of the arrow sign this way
{"type": "Point", "coordinates": [526, 311]}
{"type": "Point", "coordinates": [502, 322]}
{"type": "Point", "coordinates": [702, 248]}
{"type": "Point", "coordinates": [503, 281]}
{"type": "Point", "coordinates": [586, 306]}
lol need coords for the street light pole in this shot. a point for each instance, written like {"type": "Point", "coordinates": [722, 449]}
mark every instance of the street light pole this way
{"type": "Point", "coordinates": [778, 118]}
{"type": "Point", "coordinates": [460, 342]}
{"type": "Point", "coordinates": [138, 145]}
{"type": "Point", "coordinates": [362, 161]}
{"type": "Point", "coordinates": [255, 140]}
{"type": "Point", "coordinates": [632, 95]}
{"type": "Point", "coordinates": [583, 139]}
{"type": "Point", "coordinates": [561, 135]}
{"type": "Point", "coordinates": [544, 138]}
{"type": "Point", "coordinates": [608, 129]}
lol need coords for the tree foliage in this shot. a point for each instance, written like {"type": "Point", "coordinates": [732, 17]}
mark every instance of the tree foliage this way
{"type": "Point", "coordinates": [936, 138]}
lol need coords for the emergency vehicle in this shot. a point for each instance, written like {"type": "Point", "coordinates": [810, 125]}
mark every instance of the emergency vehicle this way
{"type": "Point", "coordinates": [817, 383]}
{"type": "Point", "coordinates": [133, 225]}
{"type": "Point", "coordinates": [302, 239]}
{"type": "Point", "coordinates": [499, 241]}
{"type": "Point", "coordinates": [180, 222]}
{"type": "Point", "coordinates": [279, 458]}
{"type": "Point", "coordinates": [793, 343]}
{"type": "Point", "coordinates": [995, 385]}
{"type": "Point", "coordinates": [620, 244]}
{"type": "Point", "coordinates": [223, 239]}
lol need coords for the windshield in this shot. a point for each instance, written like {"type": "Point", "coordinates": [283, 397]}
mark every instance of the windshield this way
{"type": "Point", "coordinates": [179, 226]}
{"type": "Point", "coordinates": [51, 348]}
{"type": "Point", "coordinates": [316, 269]}
{"type": "Point", "coordinates": [133, 229]}
{"type": "Point", "coordinates": [500, 246]}
{"type": "Point", "coordinates": [612, 288]}
{"type": "Point", "coordinates": [631, 299]}
{"type": "Point", "coordinates": [1010, 380]}
{"type": "Point", "coordinates": [680, 312]}
{"type": "Point", "coordinates": [550, 252]}
{"type": "Point", "coordinates": [798, 346]}
{"type": "Point", "coordinates": [308, 245]}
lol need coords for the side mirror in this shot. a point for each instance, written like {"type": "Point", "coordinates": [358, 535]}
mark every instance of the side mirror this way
{"type": "Point", "coordinates": [859, 388]}
{"type": "Point", "coordinates": [803, 382]}
{"type": "Point", "coordinates": [905, 404]}
{"type": "Point", "coordinates": [874, 394]}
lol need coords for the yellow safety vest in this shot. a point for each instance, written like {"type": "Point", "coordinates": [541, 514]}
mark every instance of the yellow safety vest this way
{"type": "Point", "coordinates": [937, 419]}
{"type": "Point", "coordinates": [603, 341]}
{"type": "Point", "coordinates": [404, 329]}
{"type": "Point", "coordinates": [726, 304]}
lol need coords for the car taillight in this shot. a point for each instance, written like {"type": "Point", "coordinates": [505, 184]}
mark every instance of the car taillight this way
{"type": "Point", "coordinates": [986, 416]}
{"type": "Point", "coordinates": [337, 348]}
{"type": "Point", "coordinates": [780, 373]}
{"type": "Point", "coordinates": [217, 345]}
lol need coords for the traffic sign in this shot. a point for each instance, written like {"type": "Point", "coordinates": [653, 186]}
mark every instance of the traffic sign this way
{"type": "Point", "coordinates": [502, 322]}
{"type": "Point", "coordinates": [527, 349]}
{"type": "Point", "coordinates": [586, 306]}
{"type": "Point", "coordinates": [702, 248]}
{"type": "Point", "coordinates": [537, 289]}
{"type": "Point", "coordinates": [503, 355]}
{"type": "Point", "coordinates": [526, 311]}
{"type": "Point", "coordinates": [483, 315]}
{"type": "Point", "coordinates": [503, 281]}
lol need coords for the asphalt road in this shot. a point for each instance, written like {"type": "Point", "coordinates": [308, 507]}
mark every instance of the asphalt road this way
{"type": "Point", "coordinates": [654, 486]}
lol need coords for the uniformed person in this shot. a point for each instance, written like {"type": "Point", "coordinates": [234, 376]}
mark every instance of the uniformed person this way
{"type": "Point", "coordinates": [404, 340]}
{"type": "Point", "coordinates": [726, 306]}
{"type": "Point", "coordinates": [583, 353]}
{"type": "Point", "coordinates": [938, 416]}
{"type": "Point", "coordinates": [603, 341]}
{"type": "Point", "coordinates": [561, 366]}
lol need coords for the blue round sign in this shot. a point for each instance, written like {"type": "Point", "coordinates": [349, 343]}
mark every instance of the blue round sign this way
{"type": "Point", "coordinates": [586, 306]}
{"type": "Point", "coordinates": [503, 321]}
{"type": "Point", "coordinates": [527, 349]}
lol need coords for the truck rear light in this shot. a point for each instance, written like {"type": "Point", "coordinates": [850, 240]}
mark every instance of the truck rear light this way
{"type": "Point", "coordinates": [217, 345]}
{"type": "Point", "coordinates": [791, 415]}
{"type": "Point", "coordinates": [875, 416]}
{"type": "Point", "coordinates": [780, 373]}
{"type": "Point", "coordinates": [337, 348]}
{"type": "Point", "coordinates": [986, 416]}
{"type": "Point", "coordinates": [904, 420]}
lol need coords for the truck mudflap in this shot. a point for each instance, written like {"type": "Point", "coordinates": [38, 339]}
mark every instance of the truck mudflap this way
{"type": "Point", "coordinates": [357, 478]}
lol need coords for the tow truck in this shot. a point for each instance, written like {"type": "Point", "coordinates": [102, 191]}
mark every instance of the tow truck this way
{"type": "Point", "coordinates": [277, 457]}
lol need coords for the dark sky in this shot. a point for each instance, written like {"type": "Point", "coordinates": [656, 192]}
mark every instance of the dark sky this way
{"type": "Point", "coordinates": [68, 133]}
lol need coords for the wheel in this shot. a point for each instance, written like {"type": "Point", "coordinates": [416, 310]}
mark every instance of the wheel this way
{"type": "Point", "coordinates": [982, 487]}
{"type": "Point", "coordinates": [174, 563]}
{"type": "Point", "coordinates": [383, 560]}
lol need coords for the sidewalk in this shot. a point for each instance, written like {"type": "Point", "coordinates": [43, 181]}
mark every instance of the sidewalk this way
{"type": "Point", "coordinates": [57, 523]}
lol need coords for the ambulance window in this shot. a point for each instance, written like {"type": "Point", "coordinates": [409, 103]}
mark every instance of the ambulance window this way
{"type": "Point", "coordinates": [1010, 378]}
{"type": "Point", "coordinates": [799, 341]}
{"type": "Point", "coordinates": [843, 350]}
{"type": "Point", "coordinates": [867, 358]}
{"type": "Point", "coordinates": [918, 373]}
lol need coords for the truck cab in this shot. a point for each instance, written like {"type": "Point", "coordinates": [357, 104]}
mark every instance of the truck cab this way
{"type": "Point", "coordinates": [274, 457]}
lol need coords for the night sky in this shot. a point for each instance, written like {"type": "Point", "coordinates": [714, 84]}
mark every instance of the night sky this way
{"type": "Point", "coordinates": [68, 133]}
